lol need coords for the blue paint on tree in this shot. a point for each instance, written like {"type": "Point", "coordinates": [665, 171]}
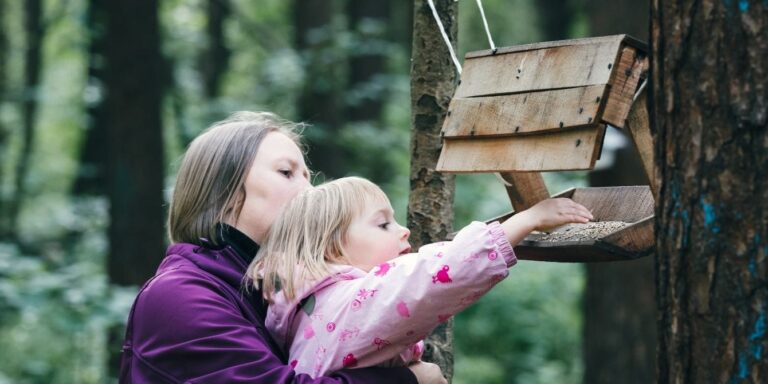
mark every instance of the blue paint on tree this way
{"type": "Point", "coordinates": [743, 5]}
{"type": "Point", "coordinates": [709, 216]}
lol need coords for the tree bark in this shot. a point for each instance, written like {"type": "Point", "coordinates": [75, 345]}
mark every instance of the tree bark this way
{"type": "Point", "coordinates": [34, 32]}
{"type": "Point", "coordinates": [708, 100]}
{"type": "Point", "coordinates": [91, 176]}
{"type": "Point", "coordinates": [320, 102]}
{"type": "Point", "coordinates": [134, 84]}
{"type": "Point", "coordinates": [430, 203]}
{"type": "Point", "coordinates": [619, 309]}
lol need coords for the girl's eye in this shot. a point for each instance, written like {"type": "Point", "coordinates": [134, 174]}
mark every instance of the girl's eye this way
{"type": "Point", "coordinates": [286, 172]}
{"type": "Point", "coordinates": [384, 226]}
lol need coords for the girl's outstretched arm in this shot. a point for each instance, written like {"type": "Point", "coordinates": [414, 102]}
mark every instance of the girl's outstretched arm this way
{"type": "Point", "coordinates": [545, 215]}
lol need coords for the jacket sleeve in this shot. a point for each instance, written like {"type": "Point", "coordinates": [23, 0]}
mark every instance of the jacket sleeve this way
{"type": "Point", "coordinates": [185, 328]}
{"type": "Point", "coordinates": [369, 318]}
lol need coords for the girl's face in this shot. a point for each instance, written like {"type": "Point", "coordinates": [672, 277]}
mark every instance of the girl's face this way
{"type": "Point", "coordinates": [277, 174]}
{"type": "Point", "coordinates": [374, 237]}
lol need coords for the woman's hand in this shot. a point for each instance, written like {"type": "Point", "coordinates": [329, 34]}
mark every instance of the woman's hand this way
{"type": "Point", "coordinates": [543, 216]}
{"type": "Point", "coordinates": [427, 373]}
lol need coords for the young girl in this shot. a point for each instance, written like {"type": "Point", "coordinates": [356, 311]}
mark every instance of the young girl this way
{"type": "Point", "coordinates": [346, 291]}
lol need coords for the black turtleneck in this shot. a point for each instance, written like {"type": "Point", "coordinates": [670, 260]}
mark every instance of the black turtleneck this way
{"type": "Point", "coordinates": [245, 247]}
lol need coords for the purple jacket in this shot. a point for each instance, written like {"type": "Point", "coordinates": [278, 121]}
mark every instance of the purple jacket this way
{"type": "Point", "coordinates": [192, 323]}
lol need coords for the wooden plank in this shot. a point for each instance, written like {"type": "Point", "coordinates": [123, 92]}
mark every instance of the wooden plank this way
{"type": "Point", "coordinates": [639, 129]}
{"type": "Point", "coordinates": [624, 82]}
{"type": "Point", "coordinates": [541, 69]}
{"type": "Point", "coordinates": [524, 189]}
{"type": "Point", "coordinates": [637, 237]}
{"type": "Point", "coordinates": [626, 39]}
{"type": "Point", "coordinates": [572, 149]}
{"type": "Point", "coordinates": [524, 112]}
{"type": "Point", "coordinates": [628, 204]}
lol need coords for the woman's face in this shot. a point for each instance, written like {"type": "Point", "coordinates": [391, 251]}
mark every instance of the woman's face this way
{"type": "Point", "coordinates": [277, 174]}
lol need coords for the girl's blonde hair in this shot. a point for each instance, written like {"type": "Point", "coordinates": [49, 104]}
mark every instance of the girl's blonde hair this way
{"type": "Point", "coordinates": [309, 233]}
{"type": "Point", "coordinates": [209, 184]}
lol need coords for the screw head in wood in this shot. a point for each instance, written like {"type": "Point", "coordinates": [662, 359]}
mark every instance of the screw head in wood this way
{"type": "Point", "coordinates": [597, 100]}
{"type": "Point", "coordinates": [581, 109]}
{"type": "Point", "coordinates": [517, 129]}
{"type": "Point", "coordinates": [561, 124]}
{"type": "Point", "coordinates": [589, 120]}
{"type": "Point", "coordinates": [610, 65]}
{"type": "Point", "coordinates": [578, 142]}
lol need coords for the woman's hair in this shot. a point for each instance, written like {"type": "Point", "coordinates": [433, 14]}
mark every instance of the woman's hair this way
{"type": "Point", "coordinates": [308, 233]}
{"type": "Point", "coordinates": [209, 184]}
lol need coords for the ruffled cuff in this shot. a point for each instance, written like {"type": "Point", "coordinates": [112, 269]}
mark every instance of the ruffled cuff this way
{"type": "Point", "coordinates": [499, 238]}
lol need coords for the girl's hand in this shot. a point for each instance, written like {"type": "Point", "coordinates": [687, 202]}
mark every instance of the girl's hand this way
{"type": "Point", "coordinates": [551, 213]}
{"type": "Point", "coordinates": [427, 373]}
{"type": "Point", "coordinates": [543, 216]}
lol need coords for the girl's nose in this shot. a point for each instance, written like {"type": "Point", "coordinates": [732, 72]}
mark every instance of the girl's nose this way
{"type": "Point", "coordinates": [406, 233]}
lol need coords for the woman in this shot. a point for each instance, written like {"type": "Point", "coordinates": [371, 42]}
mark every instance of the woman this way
{"type": "Point", "coordinates": [193, 322]}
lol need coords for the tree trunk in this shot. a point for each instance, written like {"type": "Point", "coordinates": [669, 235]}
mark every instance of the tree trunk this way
{"type": "Point", "coordinates": [430, 203]}
{"type": "Point", "coordinates": [709, 110]}
{"type": "Point", "coordinates": [619, 334]}
{"type": "Point", "coordinates": [555, 18]}
{"type": "Point", "coordinates": [215, 58]}
{"type": "Point", "coordinates": [320, 100]}
{"type": "Point", "coordinates": [134, 87]}
{"type": "Point", "coordinates": [5, 223]}
{"type": "Point", "coordinates": [619, 317]}
{"type": "Point", "coordinates": [368, 88]}
{"type": "Point", "coordinates": [33, 29]}
{"type": "Point", "coordinates": [91, 176]}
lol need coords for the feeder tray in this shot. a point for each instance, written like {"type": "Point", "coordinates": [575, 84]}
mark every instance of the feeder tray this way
{"type": "Point", "coordinates": [542, 107]}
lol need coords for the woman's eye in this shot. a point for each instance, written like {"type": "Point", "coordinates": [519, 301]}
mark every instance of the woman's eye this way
{"type": "Point", "coordinates": [384, 226]}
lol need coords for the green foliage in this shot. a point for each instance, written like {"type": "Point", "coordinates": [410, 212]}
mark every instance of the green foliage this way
{"type": "Point", "coordinates": [526, 330]}
{"type": "Point", "coordinates": [54, 319]}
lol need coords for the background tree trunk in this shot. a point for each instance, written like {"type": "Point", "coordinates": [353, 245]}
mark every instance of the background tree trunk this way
{"type": "Point", "coordinates": [33, 29]}
{"type": "Point", "coordinates": [320, 102]}
{"type": "Point", "coordinates": [215, 58]}
{"type": "Point", "coordinates": [430, 203]}
{"type": "Point", "coordinates": [619, 335]}
{"type": "Point", "coordinates": [709, 108]}
{"type": "Point", "coordinates": [134, 87]}
{"type": "Point", "coordinates": [368, 87]}
{"type": "Point", "coordinates": [91, 177]}
{"type": "Point", "coordinates": [5, 222]}
{"type": "Point", "coordinates": [555, 18]}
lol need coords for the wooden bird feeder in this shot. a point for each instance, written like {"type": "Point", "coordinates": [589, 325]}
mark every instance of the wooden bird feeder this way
{"type": "Point", "coordinates": [543, 107]}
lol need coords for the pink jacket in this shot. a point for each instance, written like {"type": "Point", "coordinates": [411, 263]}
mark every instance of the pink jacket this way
{"type": "Point", "coordinates": [358, 319]}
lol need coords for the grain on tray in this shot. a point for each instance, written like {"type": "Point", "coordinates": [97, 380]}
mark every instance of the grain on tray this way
{"type": "Point", "coordinates": [581, 232]}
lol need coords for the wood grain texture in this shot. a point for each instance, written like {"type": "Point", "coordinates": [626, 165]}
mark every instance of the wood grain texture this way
{"type": "Point", "coordinates": [632, 65]}
{"type": "Point", "coordinates": [628, 204]}
{"type": "Point", "coordinates": [638, 237]}
{"type": "Point", "coordinates": [639, 129]}
{"type": "Point", "coordinates": [525, 189]}
{"type": "Point", "coordinates": [524, 113]}
{"type": "Point", "coordinates": [539, 69]}
{"type": "Point", "coordinates": [574, 149]}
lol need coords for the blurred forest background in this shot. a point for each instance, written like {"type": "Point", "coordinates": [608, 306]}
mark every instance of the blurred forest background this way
{"type": "Point", "coordinates": [99, 99]}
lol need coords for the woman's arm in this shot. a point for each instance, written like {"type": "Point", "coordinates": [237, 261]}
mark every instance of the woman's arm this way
{"type": "Point", "coordinates": [186, 328]}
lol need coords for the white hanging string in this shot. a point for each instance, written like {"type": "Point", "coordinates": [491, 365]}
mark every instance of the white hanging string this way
{"type": "Point", "coordinates": [485, 23]}
{"type": "Point", "coordinates": [445, 36]}
{"type": "Point", "coordinates": [640, 89]}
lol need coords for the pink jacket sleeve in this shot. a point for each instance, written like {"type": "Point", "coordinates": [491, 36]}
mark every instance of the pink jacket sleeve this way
{"type": "Point", "coordinates": [359, 319]}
